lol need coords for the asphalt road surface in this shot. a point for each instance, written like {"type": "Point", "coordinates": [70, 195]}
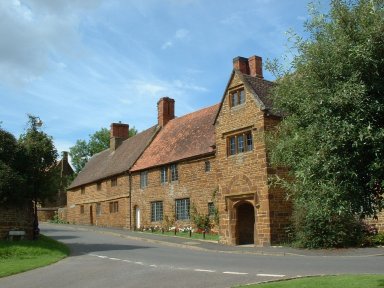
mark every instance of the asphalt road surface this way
{"type": "Point", "coordinates": [102, 260]}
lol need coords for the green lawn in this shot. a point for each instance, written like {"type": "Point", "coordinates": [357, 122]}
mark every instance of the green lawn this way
{"type": "Point", "coordinates": [343, 281]}
{"type": "Point", "coordinates": [212, 237]}
{"type": "Point", "coordinates": [20, 256]}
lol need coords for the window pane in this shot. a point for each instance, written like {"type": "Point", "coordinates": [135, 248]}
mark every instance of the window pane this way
{"type": "Point", "coordinates": [240, 144]}
{"type": "Point", "coordinates": [143, 179]}
{"type": "Point", "coordinates": [207, 166]}
{"type": "Point", "coordinates": [211, 209]}
{"type": "Point", "coordinates": [182, 209]}
{"type": "Point", "coordinates": [249, 142]}
{"type": "Point", "coordinates": [156, 211]}
{"type": "Point", "coordinates": [241, 97]}
{"type": "Point", "coordinates": [174, 172]}
{"type": "Point", "coordinates": [164, 174]}
{"type": "Point", "coordinates": [232, 146]}
{"type": "Point", "coordinates": [234, 99]}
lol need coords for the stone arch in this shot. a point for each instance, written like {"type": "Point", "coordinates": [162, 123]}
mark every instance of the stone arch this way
{"type": "Point", "coordinates": [245, 222]}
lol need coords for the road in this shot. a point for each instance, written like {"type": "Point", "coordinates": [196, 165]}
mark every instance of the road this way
{"type": "Point", "coordinates": [101, 260]}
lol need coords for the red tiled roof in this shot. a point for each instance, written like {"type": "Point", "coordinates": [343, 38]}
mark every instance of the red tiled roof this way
{"type": "Point", "coordinates": [188, 136]}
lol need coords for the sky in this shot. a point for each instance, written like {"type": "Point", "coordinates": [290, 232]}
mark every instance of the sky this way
{"type": "Point", "coordinates": [82, 65]}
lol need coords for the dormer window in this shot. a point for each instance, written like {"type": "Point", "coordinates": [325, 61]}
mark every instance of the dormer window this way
{"type": "Point", "coordinates": [237, 97]}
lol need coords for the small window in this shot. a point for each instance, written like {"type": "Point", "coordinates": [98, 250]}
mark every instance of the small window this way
{"type": "Point", "coordinates": [182, 209]}
{"type": "Point", "coordinates": [211, 209]}
{"type": "Point", "coordinates": [164, 174]}
{"type": "Point", "coordinates": [98, 186]}
{"type": "Point", "coordinates": [82, 190]}
{"type": "Point", "coordinates": [174, 173]}
{"type": "Point", "coordinates": [113, 181]}
{"type": "Point", "coordinates": [81, 209]}
{"type": "Point", "coordinates": [239, 143]}
{"type": "Point", "coordinates": [156, 211]}
{"type": "Point", "coordinates": [207, 166]}
{"type": "Point", "coordinates": [114, 207]}
{"type": "Point", "coordinates": [143, 179]}
{"type": "Point", "coordinates": [237, 97]}
{"type": "Point", "coordinates": [98, 209]}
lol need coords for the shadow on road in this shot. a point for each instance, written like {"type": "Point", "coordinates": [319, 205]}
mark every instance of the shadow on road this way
{"type": "Point", "coordinates": [81, 249]}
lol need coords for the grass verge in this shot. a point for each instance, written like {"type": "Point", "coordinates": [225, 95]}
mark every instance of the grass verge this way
{"type": "Point", "coordinates": [20, 256]}
{"type": "Point", "coordinates": [341, 281]}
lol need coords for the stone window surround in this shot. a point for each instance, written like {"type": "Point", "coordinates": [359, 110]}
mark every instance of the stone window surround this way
{"type": "Point", "coordinates": [239, 143]}
{"type": "Point", "coordinates": [113, 181]}
{"type": "Point", "coordinates": [236, 97]}
{"type": "Point", "coordinates": [164, 174]}
{"type": "Point", "coordinates": [156, 211]}
{"type": "Point", "coordinates": [114, 207]}
{"type": "Point", "coordinates": [174, 172]}
{"type": "Point", "coordinates": [143, 179]}
{"type": "Point", "coordinates": [182, 207]}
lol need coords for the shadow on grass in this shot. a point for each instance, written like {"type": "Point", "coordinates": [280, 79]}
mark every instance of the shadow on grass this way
{"type": "Point", "coordinates": [381, 283]}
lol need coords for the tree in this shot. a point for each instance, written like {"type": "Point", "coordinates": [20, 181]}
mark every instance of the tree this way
{"type": "Point", "coordinates": [332, 136]}
{"type": "Point", "coordinates": [11, 180]}
{"type": "Point", "coordinates": [40, 157]}
{"type": "Point", "coordinates": [82, 151]}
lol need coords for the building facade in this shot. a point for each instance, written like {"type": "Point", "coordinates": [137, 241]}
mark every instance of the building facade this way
{"type": "Point", "coordinates": [212, 161]}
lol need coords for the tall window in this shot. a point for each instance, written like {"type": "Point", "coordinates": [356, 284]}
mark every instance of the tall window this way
{"type": "Point", "coordinates": [113, 181]}
{"type": "Point", "coordinates": [98, 208]}
{"type": "Point", "coordinates": [174, 172]}
{"type": "Point", "coordinates": [237, 97]}
{"type": "Point", "coordinates": [164, 174]}
{"type": "Point", "coordinates": [182, 209]}
{"type": "Point", "coordinates": [81, 209]}
{"type": "Point", "coordinates": [156, 211]}
{"type": "Point", "coordinates": [211, 209]}
{"type": "Point", "coordinates": [143, 179]}
{"type": "Point", "coordinates": [114, 207]}
{"type": "Point", "coordinates": [82, 190]}
{"type": "Point", "coordinates": [98, 186]}
{"type": "Point", "coordinates": [240, 143]}
{"type": "Point", "coordinates": [207, 166]}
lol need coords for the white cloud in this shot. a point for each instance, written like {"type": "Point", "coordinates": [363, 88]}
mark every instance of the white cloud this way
{"type": "Point", "coordinates": [181, 35]}
{"type": "Point", "coordinates": [167, 45]}
{"type": "Point", "coordinates": [35, 35]}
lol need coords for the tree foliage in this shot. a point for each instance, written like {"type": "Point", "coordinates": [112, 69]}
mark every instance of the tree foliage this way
{"type": "Point", "coordinates": [39, 153]}
{"type": "Point", "coordinates": [333, 133]}
{"type": "Point", "coordinates": [27, 165]}
{"type": "Point", "coordinates": [82, 151]}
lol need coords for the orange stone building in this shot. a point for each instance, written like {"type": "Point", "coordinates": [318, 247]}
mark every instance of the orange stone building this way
{"type": "Point", "coordinates": [213, 161]}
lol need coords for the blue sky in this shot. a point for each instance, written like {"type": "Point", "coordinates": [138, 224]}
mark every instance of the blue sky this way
{"type": "Point", "coordinates": [81, 65]}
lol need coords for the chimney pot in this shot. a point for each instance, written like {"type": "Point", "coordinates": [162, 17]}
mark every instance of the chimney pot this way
{"type": "Point", "coordinates": [165, 110]}
{"type": "Point", "coordinates": [119, 133]}
{"type": "Point", "coordinates": [252, 66]}
{"type": "Point", "coordinates": [241, 64]}
{"type": "Point", "coordinates": [255, 64]}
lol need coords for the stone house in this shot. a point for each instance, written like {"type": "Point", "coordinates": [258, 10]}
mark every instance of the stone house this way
{"type": "Point", "coordinates": [214, 159]}
{"type": "Point", "coordinates": [48, 208]}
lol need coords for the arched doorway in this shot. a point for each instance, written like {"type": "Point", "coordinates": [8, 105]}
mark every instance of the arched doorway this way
{"type": "Point", "coordinates": [137, 217]}
{"type": "Point", "coordinates": [91, 214]}
{"type": "Point", "coordinates": [245, 223]}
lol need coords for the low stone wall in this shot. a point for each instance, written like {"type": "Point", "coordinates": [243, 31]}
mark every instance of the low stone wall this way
{"type": "Point", "coordinates": [46, 214]}
{"type": "Point", "coordinates": [16, 218]}
{"type": "Point", "coordinates": [378, 223]}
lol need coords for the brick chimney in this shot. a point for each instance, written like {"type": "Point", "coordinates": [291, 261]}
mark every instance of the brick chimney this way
{"type": "Point", "coordinates": [119, 133]}
{"type": "Point", "coordinates": [165, 110]}
{"type": "Point", "coordinates": [252, 66]}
